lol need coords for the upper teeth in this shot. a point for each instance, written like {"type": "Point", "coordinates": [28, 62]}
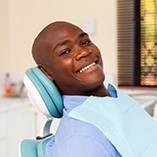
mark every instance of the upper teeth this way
{"type": "Point", "coordinates": [87, 67]}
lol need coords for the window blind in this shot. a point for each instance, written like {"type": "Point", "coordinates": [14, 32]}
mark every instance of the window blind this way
{"type": "Point", "coordinates": [126, 41]}
{"type": "Point", "coordinates": [137, 42]}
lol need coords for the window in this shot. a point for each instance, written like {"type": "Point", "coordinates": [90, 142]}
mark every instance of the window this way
{"type": "Point", "coordinates": [137, 42]}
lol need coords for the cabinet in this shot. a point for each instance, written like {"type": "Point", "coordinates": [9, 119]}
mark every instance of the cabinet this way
{"type": "Point", "coordinates": [3, 142]}
{"type": "Point", "coordinates": [19, 120]}
{"type": "Point", "coordinates": [16, 120]}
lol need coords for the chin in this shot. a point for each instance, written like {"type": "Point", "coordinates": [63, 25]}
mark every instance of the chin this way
{"type": "Point", "coordinates": [97, 81]}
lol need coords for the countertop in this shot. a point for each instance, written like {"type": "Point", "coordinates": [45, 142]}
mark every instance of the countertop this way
{"type": "Point", "coordinates": [9, 103]}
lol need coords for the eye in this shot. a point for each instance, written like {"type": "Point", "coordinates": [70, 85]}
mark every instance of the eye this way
{"type": "Point", "coordinates": [87, 41]}
{"type": "Point", "coordinates": [66, 51]}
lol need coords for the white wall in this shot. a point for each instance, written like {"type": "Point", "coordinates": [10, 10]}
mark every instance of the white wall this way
{"type": "Point", "coordinates": [2, 43]}
{"type": "Point", "coordinates": [22, 20]}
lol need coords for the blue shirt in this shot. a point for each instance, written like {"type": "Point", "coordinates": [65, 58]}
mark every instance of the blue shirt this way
{"type": "Point", "coordinates": [75, 138]}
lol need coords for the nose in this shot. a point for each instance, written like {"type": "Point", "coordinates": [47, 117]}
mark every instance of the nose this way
{"type": "Point", "coordinates": [82, 52]}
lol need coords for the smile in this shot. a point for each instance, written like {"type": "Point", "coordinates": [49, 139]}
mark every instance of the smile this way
{"type": "Point", "coordinates": [87, 67]}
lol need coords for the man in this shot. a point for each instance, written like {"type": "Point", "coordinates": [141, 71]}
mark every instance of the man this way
{"type": "Point", "coordinates": [65, 53]}
{"type": "Point", "coordinates": [69, 58]}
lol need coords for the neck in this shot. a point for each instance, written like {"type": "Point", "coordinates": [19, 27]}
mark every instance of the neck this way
{"type": "Point", "coordinates": [100, 91]}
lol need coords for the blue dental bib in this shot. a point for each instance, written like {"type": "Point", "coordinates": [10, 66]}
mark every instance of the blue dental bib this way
{"type": "Point", "coordinates": [123, 121]}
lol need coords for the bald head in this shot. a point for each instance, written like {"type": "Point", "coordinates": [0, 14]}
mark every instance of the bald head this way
{"type": "Point", "coordinates": [44, 42]}
{"type": "Point", "coordinates": [65, 53]}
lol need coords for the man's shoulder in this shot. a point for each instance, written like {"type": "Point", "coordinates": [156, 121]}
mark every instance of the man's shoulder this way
{"type": "Point", "coordinates": [70, 127]}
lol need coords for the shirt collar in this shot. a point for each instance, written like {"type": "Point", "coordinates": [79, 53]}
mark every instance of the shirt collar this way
{"type": "Point", "coordinates": [72, 101]}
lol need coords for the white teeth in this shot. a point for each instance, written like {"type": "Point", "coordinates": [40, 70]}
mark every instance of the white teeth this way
{"type": "Point", "coordinates": [87, 67]}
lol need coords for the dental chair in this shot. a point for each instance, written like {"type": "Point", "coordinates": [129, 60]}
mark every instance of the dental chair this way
{"type": "Point", "coordinates": [42, 93]}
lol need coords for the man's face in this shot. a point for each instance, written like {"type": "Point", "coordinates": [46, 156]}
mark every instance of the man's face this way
{"type": "Point", "coordinates": [74, 62]}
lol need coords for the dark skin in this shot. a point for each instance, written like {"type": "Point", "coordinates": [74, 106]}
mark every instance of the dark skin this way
{"type": "Point", "coordinates": [68, 57]}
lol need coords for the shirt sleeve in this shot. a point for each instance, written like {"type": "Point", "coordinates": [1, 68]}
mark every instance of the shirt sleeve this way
{"type": "Point", "coordinates": [84, 146]}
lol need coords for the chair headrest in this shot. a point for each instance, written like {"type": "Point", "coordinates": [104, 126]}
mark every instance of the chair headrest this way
{"type": "Point", "coordinates": [43, 93]}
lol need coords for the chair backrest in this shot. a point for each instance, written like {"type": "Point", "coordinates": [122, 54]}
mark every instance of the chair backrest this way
{"type": "Point", "coordinates": [42, 93]}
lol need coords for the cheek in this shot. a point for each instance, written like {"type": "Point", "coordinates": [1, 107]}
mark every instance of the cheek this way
{"type": "Point", "coordinates": [62, 70]}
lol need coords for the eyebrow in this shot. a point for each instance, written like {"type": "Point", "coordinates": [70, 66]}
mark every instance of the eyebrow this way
{"type": "Point", "coordinates": [82, 35]}
{"type": "Point", "coordinates": [68, 41]}
{"type": "Point", "coordinates": [61, 44]}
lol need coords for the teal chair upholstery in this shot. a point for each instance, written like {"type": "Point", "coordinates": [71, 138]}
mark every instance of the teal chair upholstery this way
{"type": "Point", "coordinates": [34, 148]}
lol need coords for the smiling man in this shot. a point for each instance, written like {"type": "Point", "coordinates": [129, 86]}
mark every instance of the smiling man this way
{"type": "Point", "coordinates": [96, 121]}
{"type": "Point", "coordinates": [65, 53]}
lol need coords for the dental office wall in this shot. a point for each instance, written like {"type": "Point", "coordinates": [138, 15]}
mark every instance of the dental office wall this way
{"type": "Point", "coordinates": [22, 20]}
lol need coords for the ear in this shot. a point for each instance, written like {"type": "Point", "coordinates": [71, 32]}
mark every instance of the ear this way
{"type": "Point", "coordinates": [45, 72]}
